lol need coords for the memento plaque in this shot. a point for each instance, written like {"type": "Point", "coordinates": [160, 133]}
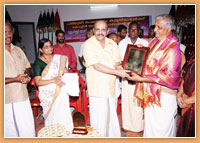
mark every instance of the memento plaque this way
{"type": "Point", "coordinates": [135, 58]}
{"type": "Point", "coordinates": [79, 124]}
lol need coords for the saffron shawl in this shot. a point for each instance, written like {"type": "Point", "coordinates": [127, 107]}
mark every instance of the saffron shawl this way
{"type": "Point", "coordinates": [162, 66]}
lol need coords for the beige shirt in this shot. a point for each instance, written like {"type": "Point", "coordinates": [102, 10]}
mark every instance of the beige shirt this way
{"type": "Point", "coordinates": [100, 84]}
{"type": "Point", "coordinates": [15, 63]}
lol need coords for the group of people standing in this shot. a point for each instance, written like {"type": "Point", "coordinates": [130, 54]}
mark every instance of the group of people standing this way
{"type": "Point", "coordinates": [149, 100]}
{"type": "Point", "coordinates": [51, 69]}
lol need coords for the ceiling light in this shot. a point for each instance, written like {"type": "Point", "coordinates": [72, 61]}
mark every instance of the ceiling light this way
{"type": "Point", "coordinates": [103, 6]}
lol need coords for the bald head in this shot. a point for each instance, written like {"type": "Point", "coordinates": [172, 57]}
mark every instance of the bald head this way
{"type": "Point", "coordinates": [100, 30]}
{"type": "Point", "coordinates": [100, 22]}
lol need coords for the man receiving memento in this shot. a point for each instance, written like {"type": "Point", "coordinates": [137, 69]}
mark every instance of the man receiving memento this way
{"type": "Point", "coordinates": [157, 87]}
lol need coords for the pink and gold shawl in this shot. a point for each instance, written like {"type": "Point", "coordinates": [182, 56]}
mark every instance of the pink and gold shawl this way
{"type": "Point", "coordinates": [162, 66]}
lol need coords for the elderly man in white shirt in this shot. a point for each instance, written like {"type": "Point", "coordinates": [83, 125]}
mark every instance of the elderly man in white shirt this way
{"type": "Point", "coordinates": [18, 115]}
{"type": "Point", "coordinates": [131, 113]}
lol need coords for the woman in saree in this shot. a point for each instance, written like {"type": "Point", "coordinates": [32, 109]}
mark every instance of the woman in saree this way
{"type": "Point", "coordinates": [49, 70]}
{"type": "Point", "coordinates": [186, 101]}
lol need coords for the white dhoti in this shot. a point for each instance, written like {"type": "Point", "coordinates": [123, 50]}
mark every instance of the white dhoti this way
{"type": "Point", "coordinates": [161, 121]}
{"type": "Point", "coordinates": [103, 116]}
{"type": "Point", "coordinates": [117, 89]}
{"type": "Point", "coordinates": [18, 119]}
{"type": "Point", "coordinates": [132, 114]}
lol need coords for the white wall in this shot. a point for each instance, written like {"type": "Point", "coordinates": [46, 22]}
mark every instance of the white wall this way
{"type": "Point", "coordinates": [30, 13]}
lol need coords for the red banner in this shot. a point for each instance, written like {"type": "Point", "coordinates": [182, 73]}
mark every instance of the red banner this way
{"type": "Point", "coordinates": [75, 31]}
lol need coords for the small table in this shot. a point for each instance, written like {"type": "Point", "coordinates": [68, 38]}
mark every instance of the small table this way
{"type": "Point", "coordinates": [58, 130]}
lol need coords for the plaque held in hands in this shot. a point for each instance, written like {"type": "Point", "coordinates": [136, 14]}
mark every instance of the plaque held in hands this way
{"type": "Point", "coordinates": [135, 58]}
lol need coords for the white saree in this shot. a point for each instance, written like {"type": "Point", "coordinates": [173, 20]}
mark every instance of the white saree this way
{"type": "Point", "coordinates": [55, 100]}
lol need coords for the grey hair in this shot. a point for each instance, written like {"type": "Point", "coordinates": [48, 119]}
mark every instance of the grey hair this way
{"type": "Point", "coordinates": [11, 26]}
{"type": "Point", "coordinates": [168, 21]}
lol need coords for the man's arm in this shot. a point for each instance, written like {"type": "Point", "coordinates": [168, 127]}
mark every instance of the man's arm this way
{"type": "Point", "coordinates": [27, 71]}
{"type": "Point", "coordinates": [102, 68]}
{"type": "Point", "coordinates": [81, 59]}
{"type": "Point", "coordinates": [73, 63]}
{"type": "Point", "coordinates": [21, 78]}
{"type": "Point", "coordinates": [11, 80]}
{"type": "Point", "coordinates": [136, 77]}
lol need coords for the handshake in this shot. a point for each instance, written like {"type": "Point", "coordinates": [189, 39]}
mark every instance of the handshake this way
{"type": "Point", "coordinates": [131, 75]}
